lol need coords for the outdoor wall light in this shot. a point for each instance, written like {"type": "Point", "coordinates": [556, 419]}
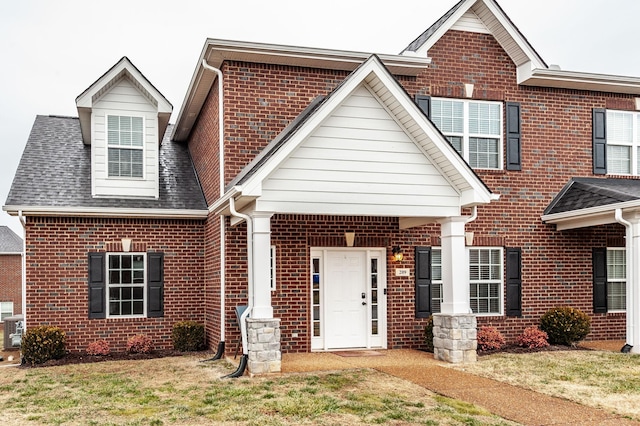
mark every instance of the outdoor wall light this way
{"type": "Point", "coordinates": [350, 237]}
{"type": "Point", "coordinates": [126, 244]}
{"type": "Point", "coordinates": [397, 253]}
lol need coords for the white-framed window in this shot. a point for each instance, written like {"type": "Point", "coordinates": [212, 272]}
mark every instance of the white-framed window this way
{"type": "Point", "coordinates": [616, 279]}
{"type": "Point", "coordinates": [623, 142]}
{"type": "Point", "coordinates": [126, 284]}
{"type": "Point", "coordinates": [6, 310]}
{"type": "Point", "coordinates": [474, 129]}
{"type": "Point", "coordinates": [125, 146]}
{"type": "Point", "coordinates": [486, 271]}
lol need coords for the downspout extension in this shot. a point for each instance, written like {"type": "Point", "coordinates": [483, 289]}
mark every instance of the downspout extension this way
{"type": "Point", "coordinates": [627, 225]}
{"type": "Point", "coordinates": [243, 324]}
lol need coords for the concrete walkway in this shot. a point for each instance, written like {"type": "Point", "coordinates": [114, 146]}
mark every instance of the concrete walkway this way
{"type": "Point", "coordinates": [507, 401]}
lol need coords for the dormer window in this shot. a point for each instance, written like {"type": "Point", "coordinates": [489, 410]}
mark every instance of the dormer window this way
{"type": "Point", "coordinates": [125, 146]}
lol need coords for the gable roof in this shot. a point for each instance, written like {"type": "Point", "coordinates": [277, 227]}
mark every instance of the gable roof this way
{"type": "Point", "coordinates": [592, 201]}
{"type": "Point", "coordinates": [491, 15]}
{"type": "Point", "coordinates": [124, 68]}
{"type": "Point", "coordinates": [54, 177]}
{"type": "Point", "coordinates": [421, 133]}
{"type": "Point", "coordinates": [9, 241]}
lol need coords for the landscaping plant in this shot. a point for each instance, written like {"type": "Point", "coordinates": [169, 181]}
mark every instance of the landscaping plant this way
{"type": "Point", "coordinates": [489, 338]}
{"type": "Point", "coordinates": [42, 343]}
{"type": "Point", "coordinates": [533, 338]}
{"type": "Point", "coordinates": [565, 325]}
{"type": "Point", "coordinates": [139, 344]}
{"type": "Point", "coordinates": [99, 347]}
{"type": "Point", "coordinates": [188, 336]}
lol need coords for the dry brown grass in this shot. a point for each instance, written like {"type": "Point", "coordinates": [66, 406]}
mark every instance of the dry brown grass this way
{"type": "Point", "coordinates": [600, 379]}
{"type": "Point", "coordinates": [184, 391]}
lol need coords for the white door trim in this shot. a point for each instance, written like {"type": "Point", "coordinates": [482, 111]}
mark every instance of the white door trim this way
{"type": "Point", "coordinates": [373, 255]}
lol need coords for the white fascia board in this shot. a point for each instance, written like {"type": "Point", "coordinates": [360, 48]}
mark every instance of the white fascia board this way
{"type": "Point", "coordinates": [578, 80]}
{"type": "Point", "coordinates": [106, 212]}
{"type": "Point", "coordinates": [428, 44]}
{"type": "Point", "coordinates": [591, 216]}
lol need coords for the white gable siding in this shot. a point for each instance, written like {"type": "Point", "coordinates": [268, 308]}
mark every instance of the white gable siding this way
{"type": "Point", "coordinates": [359, 161]}
{"type": "Point", "coordinates": [125, 100]}
{"type": "Point", "coordinates": [471, 23]}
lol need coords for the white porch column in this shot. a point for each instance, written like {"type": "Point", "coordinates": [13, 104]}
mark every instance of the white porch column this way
{"type": "Point", "coordinates": [261, 265]}
{"type": "Point", "coordinates": [455, 267]}
{"type": "Point", "coordinates": [633, 283]}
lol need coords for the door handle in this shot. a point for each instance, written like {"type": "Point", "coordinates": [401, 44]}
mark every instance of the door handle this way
{"type": "Point", "coordinates": [364, 303]}
{"type": "Point", "coordinates": [364, 295]}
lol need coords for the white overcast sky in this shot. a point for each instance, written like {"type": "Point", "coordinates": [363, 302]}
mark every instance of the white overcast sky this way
{"type": "Point", "coordinates": [51, 51]}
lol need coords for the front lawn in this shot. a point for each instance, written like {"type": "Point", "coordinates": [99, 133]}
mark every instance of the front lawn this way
{"type": "Point", "coordinates": [184, 391]}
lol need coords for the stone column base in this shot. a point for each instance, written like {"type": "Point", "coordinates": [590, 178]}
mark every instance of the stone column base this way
{"type": "Point", "coordinates": [455, 337]}
{"type": "Point", "coordinates": [263, 336]}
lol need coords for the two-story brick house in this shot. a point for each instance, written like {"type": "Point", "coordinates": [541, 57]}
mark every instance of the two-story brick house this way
{"type": "Point", "coordinates": [345, 197]}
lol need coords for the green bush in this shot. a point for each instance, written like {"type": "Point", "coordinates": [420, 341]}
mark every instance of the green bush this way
{"type": "Point", "coordinates": [42, 343]}
{"type": "Point", "coordinates": [188, 336]}
{"type": "Point", "coordinates": [565, 325]}
{"type": "Point", "coordinates": [428, 334]}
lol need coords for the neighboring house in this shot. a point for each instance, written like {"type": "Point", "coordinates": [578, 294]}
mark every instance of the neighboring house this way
{"type": "Point", "coordinates": [10, 273]}
{"type": "Point", "coordinates": [344, 197]}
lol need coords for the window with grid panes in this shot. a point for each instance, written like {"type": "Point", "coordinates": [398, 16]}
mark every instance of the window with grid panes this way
{"type": "Point", "coordinates": [616, 279]}
{"type": "Point", "coordinates": [474, 129]}
{"type": "Point", "coordinates": [125, 146]}
{"type": "Point", "coordinates": [126, 284]}
{"type": "Point", "coordinates": [485, 280]}
{"type": "Point", "coordinates": [623, 143]}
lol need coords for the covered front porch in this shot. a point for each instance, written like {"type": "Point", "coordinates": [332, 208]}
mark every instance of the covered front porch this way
{"type": "Point", "coordinates": [365, 151]}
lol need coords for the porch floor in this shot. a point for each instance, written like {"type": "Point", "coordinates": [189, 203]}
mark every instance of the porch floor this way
{"type": "Point", "coordinates": [517, 404]}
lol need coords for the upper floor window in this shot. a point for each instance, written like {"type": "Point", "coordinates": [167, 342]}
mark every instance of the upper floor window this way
{"type": "Point", "coordinates": [125, 141]}
{"type": "Point", "coordinates": [474, 128]}
{"type": "Point", "coordinates": [623, 143]}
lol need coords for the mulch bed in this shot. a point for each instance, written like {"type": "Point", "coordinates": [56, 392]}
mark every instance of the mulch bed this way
{"type": "Point", "coordinates": [515, 349]}
{"type": "Point", "coordinates": [82, 358]}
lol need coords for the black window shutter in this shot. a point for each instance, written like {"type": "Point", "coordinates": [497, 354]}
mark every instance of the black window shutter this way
{"type": "Point", "coordinates": [599, 129]}
{"type": "Point", "coordinates": [97, 286]}
{"type": "Point", "coordinates": [424, 102]}
{"type": "Point", "coordinates": [599, 280]}
{"type": "Point", "coordinates": [514, 154]}
{"type": "Point", "coordinates": [514, 282]}
{"type": "Point", "coordinates": [155, 284]}
{"type": "Point", "coordinates": [423, 282]}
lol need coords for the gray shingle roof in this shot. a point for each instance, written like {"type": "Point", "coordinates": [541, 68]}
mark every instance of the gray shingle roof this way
{"type": "Point", "coordinates": [9, 241]}
{"type": "Point", "coordinates": [422, 38]}
{"type": "Point", "coordinates": [582, 193]}
{"type": "Point", "coordinates": [55, 171]}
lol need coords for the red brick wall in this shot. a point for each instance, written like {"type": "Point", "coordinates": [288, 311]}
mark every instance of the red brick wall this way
{"type": "Point", "coordinates": [56, 276]}
{"type": "Point", "coordinates": [11, 280]}
{"type": "Point", "coordinates": [556, 145]}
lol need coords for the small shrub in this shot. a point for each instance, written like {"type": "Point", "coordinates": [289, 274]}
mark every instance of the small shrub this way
{"type": "Point", "coordinates": [99, 347]}
{"type": "Point", "coordinates": [533, 338]}
{"type": "Point", "coordinates": [428, 335]}
{"type": "Point", "coordinates": [139, 344]}
{"type": "Point", "coordinates": [489, 338]}
{"type": "Point", "coordinates": [565, 325]}
{"type": "Point", "coordinates": [187, 336]}
{"type": "Point", "coordinates": [43, 343]}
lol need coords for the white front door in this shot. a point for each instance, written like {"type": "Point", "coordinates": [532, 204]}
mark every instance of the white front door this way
{"type": "Point", "coordinates": [348, 301]}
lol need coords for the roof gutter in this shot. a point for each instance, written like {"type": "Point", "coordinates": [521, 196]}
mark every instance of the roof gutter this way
{"type": "Point", "coordinates": [106, 212]}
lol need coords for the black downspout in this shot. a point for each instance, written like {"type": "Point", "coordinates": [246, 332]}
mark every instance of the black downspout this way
{"type": "Point", "coordinates": [219, 354]}
{"type": "Point", "coordinates": [241, 367]}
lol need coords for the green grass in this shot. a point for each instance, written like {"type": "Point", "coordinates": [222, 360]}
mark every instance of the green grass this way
{"type": "Point", "coordinates": [183, 391]}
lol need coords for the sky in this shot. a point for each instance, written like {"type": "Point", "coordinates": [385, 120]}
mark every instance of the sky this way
{"type": "Point", "coordinates": [52, 51]}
